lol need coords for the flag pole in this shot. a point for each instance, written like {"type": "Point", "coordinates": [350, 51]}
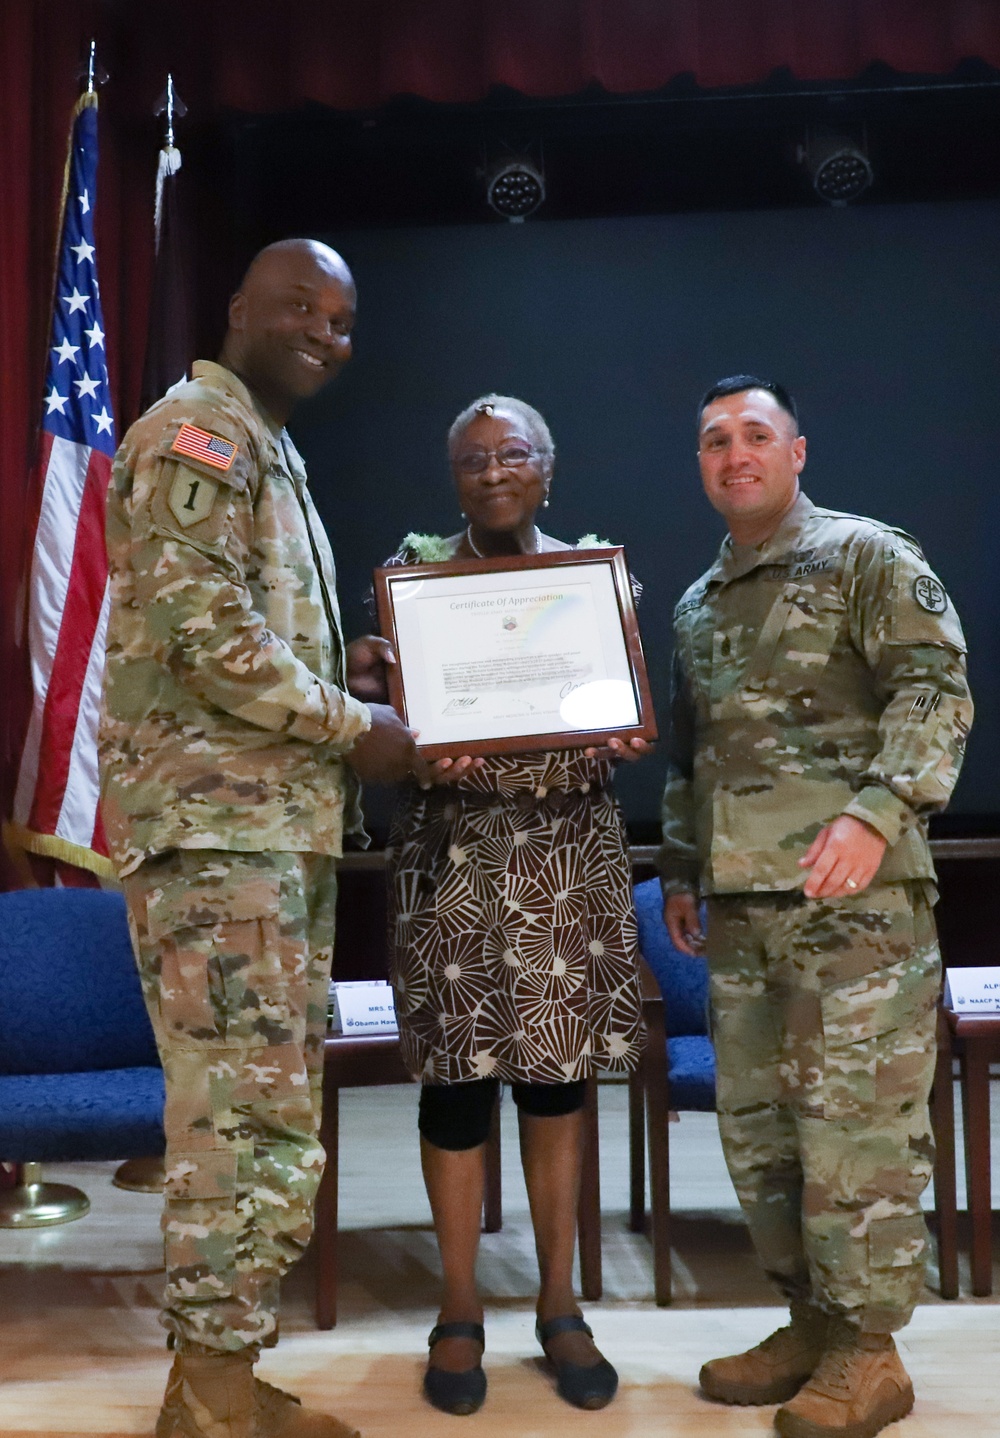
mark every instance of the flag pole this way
{"type": "Point", "coordinates": [33, 1202]}
{"type": "Point", "coordinates": [169, 341]}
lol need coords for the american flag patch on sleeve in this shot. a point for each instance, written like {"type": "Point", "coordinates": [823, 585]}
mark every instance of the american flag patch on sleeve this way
{"type": "Point", "coordinates": [209, 448]}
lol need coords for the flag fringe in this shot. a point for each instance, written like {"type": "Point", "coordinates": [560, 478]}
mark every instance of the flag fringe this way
{"type": "Point", "coordinates": [168, 163]}
{"type": "Point", "coordinates": [20, 841]}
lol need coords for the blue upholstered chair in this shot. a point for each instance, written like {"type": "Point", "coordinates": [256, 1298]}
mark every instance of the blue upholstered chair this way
{"type": "Point", "coordinates": [683, 982]}
{"type": "Point", "coordinates": [679, 1063]}
{"type": "Point", "coordinates": [79, 1073]}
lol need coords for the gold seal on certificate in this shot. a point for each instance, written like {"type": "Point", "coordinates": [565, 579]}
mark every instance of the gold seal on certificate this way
{"type": "Point", "coordinates": [501, 656]}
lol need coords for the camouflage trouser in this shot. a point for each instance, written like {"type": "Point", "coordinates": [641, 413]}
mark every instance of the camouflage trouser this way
{"type": "Point", "coordinates": [234, 953]}
{"type": "Point", "coordinates": [824, 1025]}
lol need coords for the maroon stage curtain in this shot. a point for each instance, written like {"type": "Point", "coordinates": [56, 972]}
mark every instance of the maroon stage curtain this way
{"type": "Point", "coordinates": [258, 55]}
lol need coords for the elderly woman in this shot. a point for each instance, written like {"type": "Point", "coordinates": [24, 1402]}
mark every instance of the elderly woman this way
{"type": "Point", "coordinates": [514, 949]}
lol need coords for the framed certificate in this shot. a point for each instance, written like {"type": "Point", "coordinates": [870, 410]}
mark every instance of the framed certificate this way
{"type": "Point", "coordinates": [501, 656]}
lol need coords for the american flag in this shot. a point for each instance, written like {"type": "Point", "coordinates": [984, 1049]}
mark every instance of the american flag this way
{"type": "Point", "coordinates": [56, 803]}
{"type": "Point", "coordinates": [209, 448]}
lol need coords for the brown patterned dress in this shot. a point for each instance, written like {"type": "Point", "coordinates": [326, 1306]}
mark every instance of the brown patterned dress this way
{"type": "Point", "coordinates": [511, 923]}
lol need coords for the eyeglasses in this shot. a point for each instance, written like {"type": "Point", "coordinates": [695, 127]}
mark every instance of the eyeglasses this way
{"type": "Point", "coordinates": [510, 456]}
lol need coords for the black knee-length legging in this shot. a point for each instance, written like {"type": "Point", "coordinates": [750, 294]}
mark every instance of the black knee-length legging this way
{"type": "Point", "coordinates": [457, 1116]}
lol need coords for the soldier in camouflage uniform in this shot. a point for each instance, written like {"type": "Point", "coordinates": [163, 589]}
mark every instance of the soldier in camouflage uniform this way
{"type": "Point", "coordinates": [820, 710]}
{"type": "Point", "coordinates": [226, 736]}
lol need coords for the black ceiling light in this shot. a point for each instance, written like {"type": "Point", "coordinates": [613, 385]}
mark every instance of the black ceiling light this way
{"type": "Point", "coordinates": [515, 186]}
{"type": "Point", "coordinates": [838, 167]}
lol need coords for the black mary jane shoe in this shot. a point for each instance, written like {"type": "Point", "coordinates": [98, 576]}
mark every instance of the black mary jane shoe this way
{"type": "Point", "coordinates": [462, 1392]}
{"type": "Point", "coordinates": [590, 1385]}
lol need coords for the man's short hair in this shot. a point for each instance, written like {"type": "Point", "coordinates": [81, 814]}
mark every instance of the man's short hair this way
{"type": "Point", "coordinates": [738, 383]}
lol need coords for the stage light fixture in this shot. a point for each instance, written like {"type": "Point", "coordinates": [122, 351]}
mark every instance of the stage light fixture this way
{"type": "Point", "coordinates": [515, 188]}
{"type": "Point", "coordinates": [838, 167]}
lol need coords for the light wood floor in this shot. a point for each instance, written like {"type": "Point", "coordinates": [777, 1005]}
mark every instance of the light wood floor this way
{"type": "Point", "coordinates": [81, 1350]}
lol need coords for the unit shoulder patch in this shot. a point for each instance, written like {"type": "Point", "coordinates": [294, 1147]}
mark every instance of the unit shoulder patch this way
{"type": "Point", "coordinates": [191, 497]}
{"type": "Point", "coordinates": [930, 594]}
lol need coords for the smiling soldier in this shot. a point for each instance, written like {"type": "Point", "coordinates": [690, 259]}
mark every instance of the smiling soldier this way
{"type": "Point", "coordinates": [820, 710]}
{"type": "Point", "coordinates": [225, 739]}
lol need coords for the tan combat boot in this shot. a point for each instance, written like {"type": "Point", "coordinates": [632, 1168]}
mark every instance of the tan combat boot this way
{"type": "Point", "coordinates": [859, 1387]}
{"type": "Point", "coordinates": [210, 1395]}
{"type": "Point", "coordinates": [277, 1414]}
{"type": "Point", "coordinates": [280, 1415]}
{"type": "Point", "coordinates": [775, 1369]}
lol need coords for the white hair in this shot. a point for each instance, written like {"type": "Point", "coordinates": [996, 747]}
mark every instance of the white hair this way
{"type": "Point", "coordinates": [538, 430]}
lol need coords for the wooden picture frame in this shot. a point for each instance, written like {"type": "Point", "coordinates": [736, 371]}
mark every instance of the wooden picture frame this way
{"type": "Point", "coordinates": [488, 650]}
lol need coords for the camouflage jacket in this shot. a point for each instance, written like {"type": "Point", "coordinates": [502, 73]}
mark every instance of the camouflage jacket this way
{"type": "Point", "coordinates": [225, 712]}
{"type": "Point", "coordinates": [818, 674]}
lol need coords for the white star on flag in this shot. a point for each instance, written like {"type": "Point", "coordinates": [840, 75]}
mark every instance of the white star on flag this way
{"type": "Point", "coordinates": [85, 201]}
{"type": "Point", "coordinates": [55, 400]}
{"type": "Point", "coordinates": [104, 421]}
{"type": "Point", "coordinates": [66, 351]}
{"type": "Point", "coordinates": [87, 386]}
{"type": "Point", "coordinates": [95, 335]}
{"type": "Point", "coordinates": [76, 301]}
{"type": "Point", "coordinates": [83, 251]}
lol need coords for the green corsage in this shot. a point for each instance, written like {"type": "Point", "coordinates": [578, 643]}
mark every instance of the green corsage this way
{"type": "Point", "coordinates": [428, 548]}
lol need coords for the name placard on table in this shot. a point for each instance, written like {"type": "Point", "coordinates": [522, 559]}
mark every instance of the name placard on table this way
{"type": "Point", "coordinates": [972, 991]}
{"type": "Point", "coordinates": [362, 1006]}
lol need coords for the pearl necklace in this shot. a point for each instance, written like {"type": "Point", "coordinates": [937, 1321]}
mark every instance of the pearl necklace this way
{"type": "Point", "coordinates": [480, 555]}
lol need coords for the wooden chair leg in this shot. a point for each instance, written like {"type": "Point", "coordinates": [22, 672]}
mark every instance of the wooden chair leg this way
{"type": "Point", "coordinates": [636, 1153]}
{"type": "Point", "coordinates": [975, 1063]}
{"type": "Point", "coordinates": [945, 1197]}
{"type": "Point", "coordinates": [326, 1214]}
{"type": "Point", "coordinates": [492, 1199]}
{"type": "Point", "coordinates": [589, 1208]}
{"type": "Point", "coordinates": [657, 1092]}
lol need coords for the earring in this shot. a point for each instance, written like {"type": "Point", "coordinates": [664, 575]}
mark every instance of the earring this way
{"type": "Point", "coordinates": [545, 504]}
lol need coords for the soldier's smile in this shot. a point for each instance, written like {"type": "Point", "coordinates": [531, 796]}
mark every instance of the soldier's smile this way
{"type": "Point", "coordinates": [310, 359]}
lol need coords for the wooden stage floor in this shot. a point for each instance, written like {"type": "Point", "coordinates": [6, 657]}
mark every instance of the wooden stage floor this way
{"type": "Point", "coordinates": [82, 1353]}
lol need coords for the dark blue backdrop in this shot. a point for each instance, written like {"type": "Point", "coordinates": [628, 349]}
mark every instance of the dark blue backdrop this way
{"type": "Point", "coordinates": [883, 320]}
